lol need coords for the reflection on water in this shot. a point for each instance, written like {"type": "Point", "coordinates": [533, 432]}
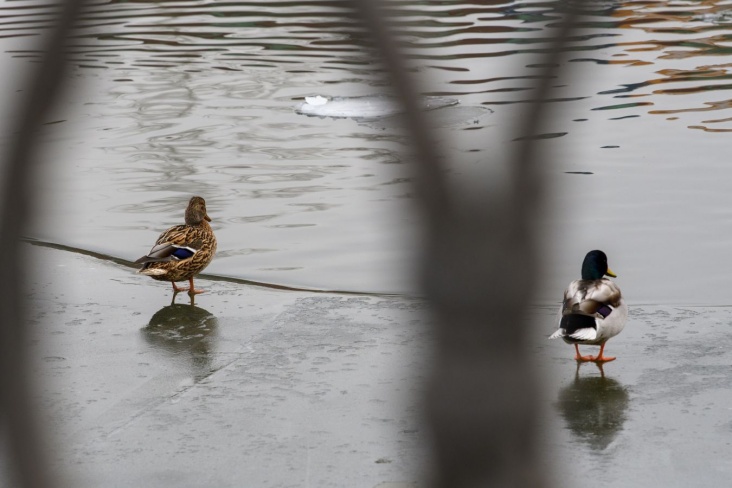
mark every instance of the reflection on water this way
{"type": "Point", "coordinates": [199, 97]}
{"type": "Point", "coordinates": [185, 333]}
{"type": "Point", "coordinates": [594, 408]}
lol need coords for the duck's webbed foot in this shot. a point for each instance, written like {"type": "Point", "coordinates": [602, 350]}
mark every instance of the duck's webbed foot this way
{"type": "Point", "coordinates": [600, 358]}
{"type": "Point", "coordinates": [192, 290]}
{"type": "Point", "coordinates": [177, 289]}
{"type": "Point", "coordinates": [580, 358]}
{"type": "Point", "coordinates": [603, 359]}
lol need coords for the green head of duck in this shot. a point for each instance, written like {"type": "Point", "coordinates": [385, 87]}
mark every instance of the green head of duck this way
{"type": "Point", "coordinates": [594, 267]}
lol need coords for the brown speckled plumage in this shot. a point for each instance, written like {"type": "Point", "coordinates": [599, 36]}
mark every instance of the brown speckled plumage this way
{"type": "Point", "coordinates": [182, 251]}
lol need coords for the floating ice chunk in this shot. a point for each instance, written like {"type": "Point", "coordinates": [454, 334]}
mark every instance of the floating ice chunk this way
{"type": "Point", "coordinates": [363, 108]}
{"type": "Point", "coordinates": [316, 100]}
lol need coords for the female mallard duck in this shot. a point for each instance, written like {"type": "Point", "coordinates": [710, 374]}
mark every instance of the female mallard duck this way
{"type": "Point", "coordinates": [593, 310]}
{"type": "Point", "coordinates": [182, 251]}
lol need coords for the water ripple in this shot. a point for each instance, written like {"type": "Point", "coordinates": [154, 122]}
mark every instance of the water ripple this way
{"type": "Point", "coordinates": [199, 96]}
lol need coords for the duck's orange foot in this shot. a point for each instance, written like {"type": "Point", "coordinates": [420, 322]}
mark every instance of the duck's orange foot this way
{"type": "Point", "coordinates": [595, 359]}
{"type": "Point", "coordinates": [600, 358]}
{"type": "Point", "coordinates": [192, 289]}
{"type": "Point", "coordinates": [580, 358]}
{"type": "Point", "coordinates": [177, 289]}
{"type": "Point", "coordinates": [604, 359]}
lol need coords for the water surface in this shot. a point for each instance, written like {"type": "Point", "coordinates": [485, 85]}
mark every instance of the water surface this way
{"type": "Point", "coordinates": [194, 97]}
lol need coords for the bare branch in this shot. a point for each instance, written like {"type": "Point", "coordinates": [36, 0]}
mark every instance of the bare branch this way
{"type": "Point", "coordinates": [45, 86]}
{"type": "Point", "coordinates": [479, 273]}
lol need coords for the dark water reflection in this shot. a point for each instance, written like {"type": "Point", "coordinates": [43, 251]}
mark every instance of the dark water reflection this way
{"type": "Point", "coordinates": [313, 36]}
{"type": "Point", "coordinates": [594, 408]}
{"type": "Point", "coordinates": [199, 97]}
{"type": "Point", "coordinates": [185, 333]}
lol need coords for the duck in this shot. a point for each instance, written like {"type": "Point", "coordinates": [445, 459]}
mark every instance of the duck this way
{"type": "Point", "coordinates": [593, 310]}
{"type": "Point", "coordinates": [182, 251]}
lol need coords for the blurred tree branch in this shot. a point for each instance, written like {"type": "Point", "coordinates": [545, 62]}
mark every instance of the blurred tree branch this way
{"type": "Point", "coordinates": [44, 88]}
{"type": "Point", "coordinates": [479, 270]}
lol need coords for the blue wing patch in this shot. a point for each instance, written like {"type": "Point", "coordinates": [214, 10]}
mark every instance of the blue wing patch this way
{"type": "Point", "coordinates": [604, 311]}
{"type": "Point", "coordinates": [183, 252]}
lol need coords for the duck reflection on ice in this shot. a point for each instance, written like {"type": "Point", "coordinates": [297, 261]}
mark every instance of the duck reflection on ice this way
{"type": "Point", "coordinates": [184, 332]}
{"type": "Point", "coordinates": [594, 408]}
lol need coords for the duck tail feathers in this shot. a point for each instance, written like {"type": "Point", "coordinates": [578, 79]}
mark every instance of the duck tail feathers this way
{"type": "Point", "coordinates": [152, 271]}
{"type": "Point", "coordinates": [559, 333]}
{"type": "Point", "coordinates": [584, 334]}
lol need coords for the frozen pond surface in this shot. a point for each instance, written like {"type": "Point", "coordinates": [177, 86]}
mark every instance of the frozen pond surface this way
{"type": "Point", "coordinates": [251, 387]}
{"type": "Point", "coordinates": [299, 389]}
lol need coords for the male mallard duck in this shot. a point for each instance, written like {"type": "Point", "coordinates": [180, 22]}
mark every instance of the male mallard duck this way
{"type": "Point", "coordinates": [593, 310]}
{"type": "Point", "coordinates": [182, 251]}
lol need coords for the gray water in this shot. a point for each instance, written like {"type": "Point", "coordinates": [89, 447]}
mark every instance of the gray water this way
{"type": "Point", "coordinates": [175, 99]}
